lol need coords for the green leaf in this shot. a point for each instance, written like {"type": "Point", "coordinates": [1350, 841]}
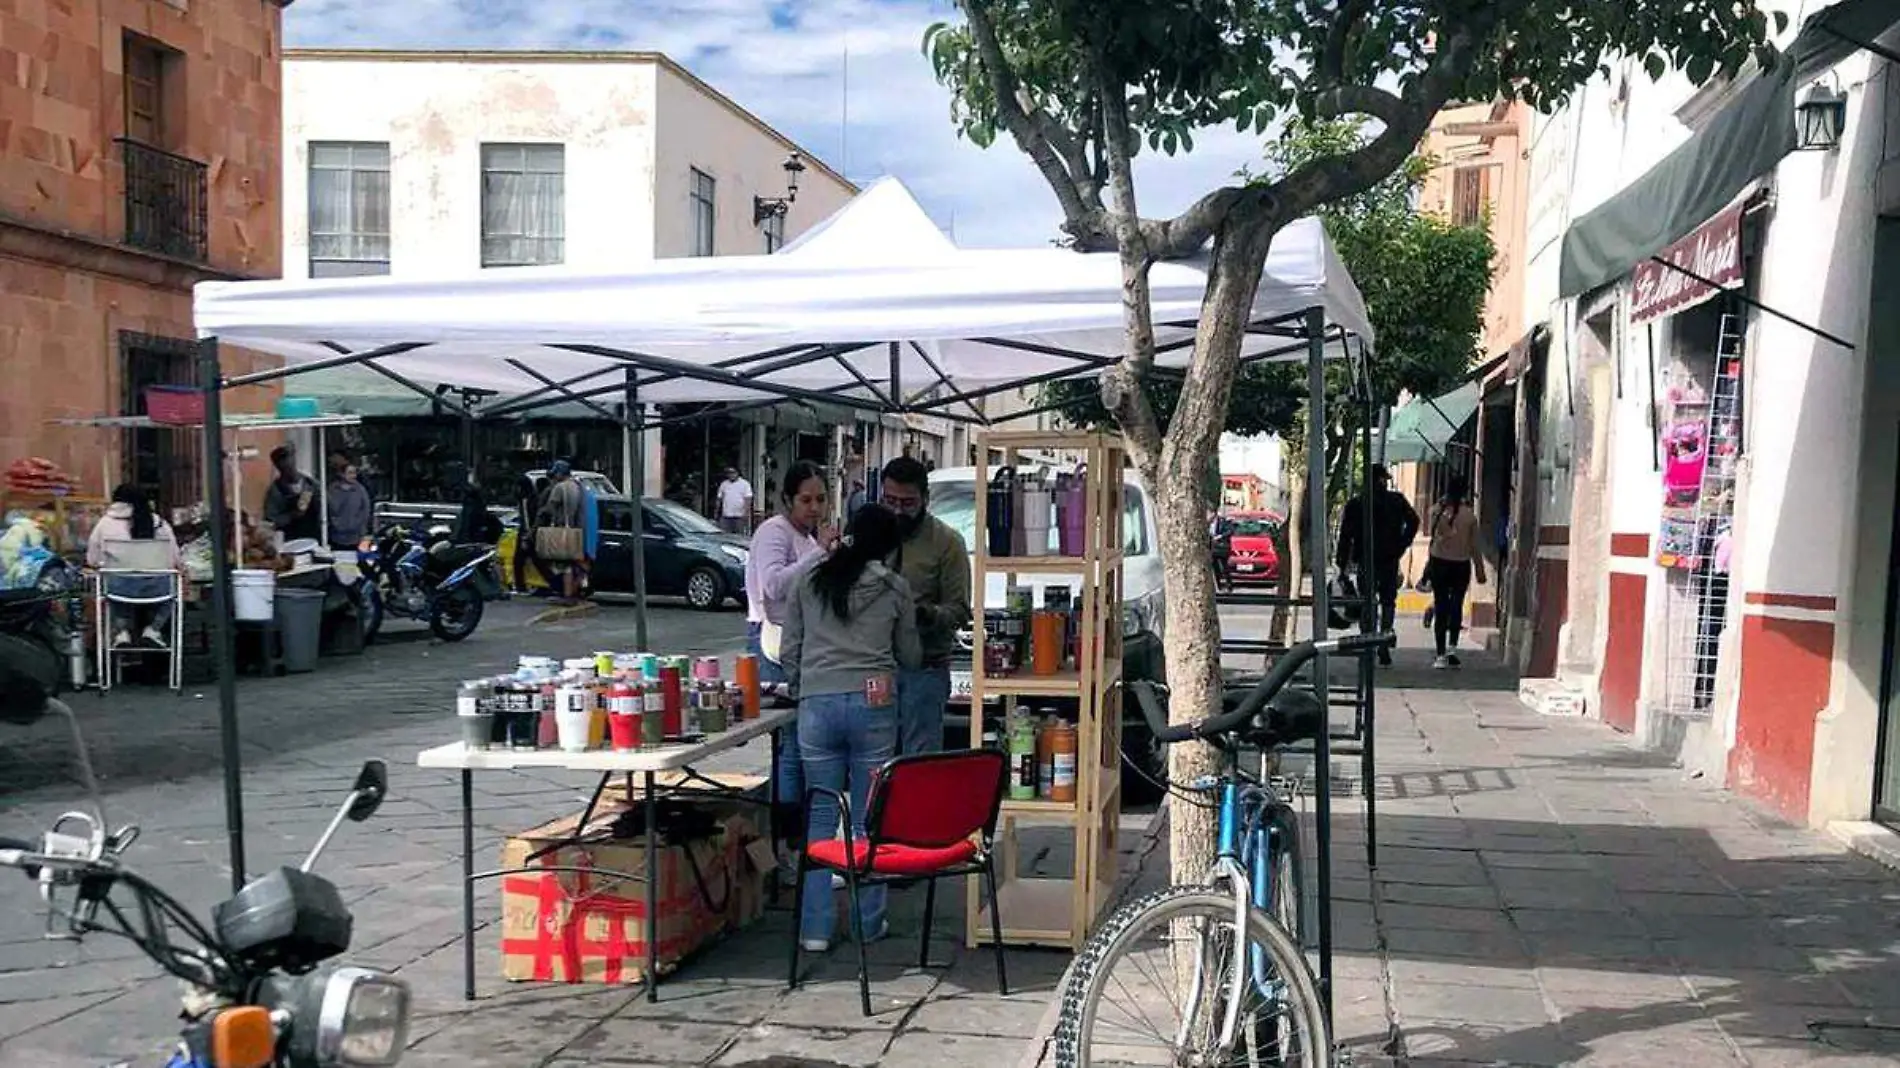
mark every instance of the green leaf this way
{"type": "Point", "coordinates": [1656, 65]}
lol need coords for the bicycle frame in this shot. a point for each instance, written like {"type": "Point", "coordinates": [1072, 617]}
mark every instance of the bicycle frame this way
{"type": "Point", "coordinates": [1248, 833]}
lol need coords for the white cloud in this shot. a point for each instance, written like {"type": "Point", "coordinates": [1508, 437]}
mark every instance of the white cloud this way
{"type": "Point", "coordinates": [786, 60]}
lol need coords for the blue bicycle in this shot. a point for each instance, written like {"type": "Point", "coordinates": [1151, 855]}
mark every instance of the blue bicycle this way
{"type": "Point", "coordinates": [1197, 976]}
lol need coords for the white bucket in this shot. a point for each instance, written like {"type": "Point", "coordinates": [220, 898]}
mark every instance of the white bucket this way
{"type": "Point", "coordinates": [254, 595]}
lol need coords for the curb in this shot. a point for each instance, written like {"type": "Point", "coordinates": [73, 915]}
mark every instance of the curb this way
{"type": "Point", "coordinates": [1157, 828]}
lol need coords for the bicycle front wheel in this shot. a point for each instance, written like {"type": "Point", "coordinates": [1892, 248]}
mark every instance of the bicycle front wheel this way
{"type": "Point", "coordinates": [1154, 987]}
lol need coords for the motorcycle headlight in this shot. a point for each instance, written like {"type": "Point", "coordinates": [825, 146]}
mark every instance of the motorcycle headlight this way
{"type": "Point", "coordinates": [736, 553]}
{"type": "Point", "coordinates": [356, 1018]}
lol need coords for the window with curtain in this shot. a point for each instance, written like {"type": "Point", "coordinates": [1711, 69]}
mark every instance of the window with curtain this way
{"type": "Point", "coordinates": [774, 233]}
{"type": "Point", "coordinates": [349, 209]}
{"type": "Point", "coordinates": [524, 205]}
{"type": "Point", "coordinates": [703, 194]}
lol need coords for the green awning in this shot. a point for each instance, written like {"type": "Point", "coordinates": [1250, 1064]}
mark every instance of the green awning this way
{"type": "Point", "coordinates": [1419, 431]}
{"type": "Point", "coordinates": [1742, 142]}
{"type": "Point", "coordinates": [361, 391]}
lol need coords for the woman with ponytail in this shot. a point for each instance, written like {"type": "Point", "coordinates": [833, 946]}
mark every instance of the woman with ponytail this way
{"type": "Point", "coordinates": [851, 625]}
{"type": "Point", "coordinates": [129, 518]}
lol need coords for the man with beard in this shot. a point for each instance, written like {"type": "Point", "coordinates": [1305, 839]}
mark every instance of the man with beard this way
{"type": "Point", "coordinates": [936, 564]}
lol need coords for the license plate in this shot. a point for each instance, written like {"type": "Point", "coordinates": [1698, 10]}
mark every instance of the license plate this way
{"type": "Point", "coordinates": [1243, 567]}
{"type": "Point", "coordinates": [960, 685]}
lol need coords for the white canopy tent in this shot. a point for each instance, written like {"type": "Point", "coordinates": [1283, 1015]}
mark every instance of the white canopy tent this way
{"type": "Point", "coordinates": [874, 309]}
{"type": "Point", "coordinates": [875, 304]}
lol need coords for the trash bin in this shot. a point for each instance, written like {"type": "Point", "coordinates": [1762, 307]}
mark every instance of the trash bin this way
{"type": "Point", "coordinates": [300, 620]}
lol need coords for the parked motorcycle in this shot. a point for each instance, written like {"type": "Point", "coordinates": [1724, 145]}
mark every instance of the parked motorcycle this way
{"type": "Point", "coordinates": [42, 629]}
{"type": "Point", "coordinates": [260, 991]}
{"type": "Point", "coordinates": [405, 574]}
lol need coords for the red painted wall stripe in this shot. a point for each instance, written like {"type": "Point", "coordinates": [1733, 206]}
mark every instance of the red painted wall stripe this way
{"type": "Point", "coordinates": [1792, 600]}
{"type": "Point", "coordinates": [1636, 545]}
{"type": "Point", "coordinates": [1622, 680]}
{"type": "Point", "coordinates": [1787, 669]}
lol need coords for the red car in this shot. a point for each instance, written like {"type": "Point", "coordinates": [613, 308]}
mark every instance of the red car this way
{"type": "Point", "coordinates": [1254, 558]}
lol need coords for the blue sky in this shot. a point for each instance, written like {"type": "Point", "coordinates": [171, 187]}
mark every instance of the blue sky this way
{"type": "Point", "coordinates": [786, 60]}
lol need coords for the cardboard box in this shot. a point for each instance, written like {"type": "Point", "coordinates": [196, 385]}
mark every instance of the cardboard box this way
{"type": "Point", "coordinates": [589, 924]}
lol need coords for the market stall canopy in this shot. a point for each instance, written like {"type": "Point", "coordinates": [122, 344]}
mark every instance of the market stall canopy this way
{"type": "Point", "coordinates": [874, 294]}
{"type": "Point", "coordinates": [1740, 143]}
{"type": "Point", "coordinates": [1419, 432]}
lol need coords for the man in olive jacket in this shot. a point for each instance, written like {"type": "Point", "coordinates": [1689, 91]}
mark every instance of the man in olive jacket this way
{"type": "Point", "coordinates": [936, 564]}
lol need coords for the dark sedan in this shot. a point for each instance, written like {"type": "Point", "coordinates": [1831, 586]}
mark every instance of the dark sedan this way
{"type": "Point", "coordinates": [687, 555]}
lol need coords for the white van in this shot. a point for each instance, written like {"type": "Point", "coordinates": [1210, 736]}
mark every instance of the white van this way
{"type": "Point", "coordinates": [1144, 617]}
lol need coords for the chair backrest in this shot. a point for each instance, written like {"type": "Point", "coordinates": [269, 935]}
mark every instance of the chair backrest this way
{"type": "Point", "coordinates": [135, 555]}
{"type": "Point", "coordinates": [933, 800]}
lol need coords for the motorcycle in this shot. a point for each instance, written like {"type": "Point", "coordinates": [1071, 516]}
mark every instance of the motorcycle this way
{"type": "Point", "coordinates": [42, 629]}
{"type": "Point", "coordinates": [261, 990]}
{"type": "Point", "coordinates": [410, 574]}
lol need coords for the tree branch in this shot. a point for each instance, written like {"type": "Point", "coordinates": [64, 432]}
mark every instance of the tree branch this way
{"type": "Point", "coordinates": [1124, 389]}
{"type": "Point", "coordinates": [1332, 57]}
{"type": "Point", "coordinates": [1065, 171]}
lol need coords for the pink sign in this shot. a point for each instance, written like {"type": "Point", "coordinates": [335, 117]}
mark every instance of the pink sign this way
{"type": "Point", "coordinates": [1713, 252]}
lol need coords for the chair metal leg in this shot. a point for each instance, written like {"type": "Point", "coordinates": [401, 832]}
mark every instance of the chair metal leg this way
{"type": "Point", "coordinates": [930, 908]}
{"type": "Point", "coordinates": [857, 926]}
{"type": "Point", "coordinates": [798, 911]}
{"type": "Point", "coordinates": [996, 926]}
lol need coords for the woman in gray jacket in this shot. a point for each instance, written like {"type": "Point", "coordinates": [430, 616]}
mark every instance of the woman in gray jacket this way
{"type": "Point", "coordinates": [850, 627]}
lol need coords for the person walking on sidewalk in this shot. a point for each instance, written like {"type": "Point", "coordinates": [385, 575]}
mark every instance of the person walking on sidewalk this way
{"type": "Point", "coordinates": [735, 503]}
{"type": "Point", "coordinates": [934, 561]}
{"type": "Point", "coordinates": [1456, 558]}
{"type": "Point", "coordinates": [850, 628]}
{"type": "Point", "coordinates": [1394, 526]}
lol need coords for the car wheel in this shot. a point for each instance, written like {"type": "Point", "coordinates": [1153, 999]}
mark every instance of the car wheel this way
{"type": "Point", "coordinates": [705, 589]}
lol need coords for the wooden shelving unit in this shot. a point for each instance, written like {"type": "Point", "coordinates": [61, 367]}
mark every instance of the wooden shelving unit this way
{"type": "Point", "coordinates": [1038, 910]}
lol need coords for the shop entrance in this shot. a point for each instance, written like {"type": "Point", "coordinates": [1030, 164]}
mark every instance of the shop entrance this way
{"type": "Point", "coordinates": [1883, 340]}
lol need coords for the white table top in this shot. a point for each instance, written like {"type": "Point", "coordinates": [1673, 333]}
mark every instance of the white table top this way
{"type": "Point", "coordinates": [657, 758]}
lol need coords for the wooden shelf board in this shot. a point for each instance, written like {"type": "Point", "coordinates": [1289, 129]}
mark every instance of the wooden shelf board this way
{"type": "Point", "coordinates": [1040, 809]}
{"type": "Point", "coordinates": [1061, 684]}
{"type": "Point", "coordinates": [1047, 565]}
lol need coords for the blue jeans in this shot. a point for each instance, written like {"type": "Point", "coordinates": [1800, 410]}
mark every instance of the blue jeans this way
{"type": "Point", "coordinates": [845, 741]}
{"type": "Point", "coordinates": [125, 616]}
{"type": "Point", "coordinates": [791, 769]}
{"type": "Point", "coordinates": [922, 696]}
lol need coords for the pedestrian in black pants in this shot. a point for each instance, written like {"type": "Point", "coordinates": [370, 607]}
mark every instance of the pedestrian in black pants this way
{"type": "Point", "coordinates": [1394, 525]}
{"type": "Point", "coordinates": [1455, 560]}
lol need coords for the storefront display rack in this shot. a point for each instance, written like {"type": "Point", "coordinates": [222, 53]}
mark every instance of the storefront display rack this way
{"type": "Point", "coordinates": [1057, 912]}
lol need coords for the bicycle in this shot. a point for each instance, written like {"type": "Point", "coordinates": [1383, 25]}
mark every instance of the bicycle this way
{"type": "Point", "coordinates": [1260, 1007]}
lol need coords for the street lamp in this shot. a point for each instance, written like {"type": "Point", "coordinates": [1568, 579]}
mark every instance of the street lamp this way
{"type": "Point", "coordinates": [1819, 119]}
{"type": "Point", "coordinates": [764, 208]}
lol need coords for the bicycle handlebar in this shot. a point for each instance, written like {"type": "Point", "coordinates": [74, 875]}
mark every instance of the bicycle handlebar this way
{"type": "Point", "coordinates": [1264, 691]}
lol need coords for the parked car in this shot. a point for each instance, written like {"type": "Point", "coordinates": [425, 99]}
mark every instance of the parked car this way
{"type": "Point", "coordinates": [1144, 616]}
{"type": "Point", "coordinates": [687, 555]}
{"type": "Point", "coordinates": [1254, 558]}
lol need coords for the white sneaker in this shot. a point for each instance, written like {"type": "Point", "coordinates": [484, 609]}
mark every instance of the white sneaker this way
{"type": "Point", "coordinates": [153, 637]}
{"type": "Point", "coordinates": [1441, 662]}
{"type": "Point", "coordinates": [814, 945]}
{"type": "Point", "coordinates": [121, 639]}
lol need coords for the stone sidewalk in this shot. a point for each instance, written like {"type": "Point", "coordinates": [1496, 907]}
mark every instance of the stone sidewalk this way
{"type": "Point", "coordinates": [1547, 896]}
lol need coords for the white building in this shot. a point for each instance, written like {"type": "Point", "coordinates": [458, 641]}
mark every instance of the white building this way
{"type": "Point", "coordinates": [1715, 473]}
{"type": "Point", "coordinates": [434, 163]}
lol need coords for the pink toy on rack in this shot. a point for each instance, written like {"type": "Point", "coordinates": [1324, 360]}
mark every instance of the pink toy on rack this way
{"type": "Point", "coordinates": [1685, 454]}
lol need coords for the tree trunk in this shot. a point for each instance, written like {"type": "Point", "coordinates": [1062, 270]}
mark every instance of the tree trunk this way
{"type": "Point", "coordinates": [1292, 537]}
{"type": "Point", "coordinates": [1192, 640]}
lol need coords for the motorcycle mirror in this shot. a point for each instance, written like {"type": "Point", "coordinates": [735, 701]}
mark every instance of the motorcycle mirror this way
{"type": "Point", "coordinates": [372, 785]}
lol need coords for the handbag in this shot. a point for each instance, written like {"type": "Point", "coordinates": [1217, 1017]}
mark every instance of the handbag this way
{"type": "Point", "coordinates": [561, 545]}
{"type": "Point", "coordinates": [771, 640]}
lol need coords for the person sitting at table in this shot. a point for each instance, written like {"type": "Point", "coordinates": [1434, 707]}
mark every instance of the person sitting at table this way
{"type": "Point", "coordinates": [130, 519]}
{"type": "Point", "coordinates": [850, 627]}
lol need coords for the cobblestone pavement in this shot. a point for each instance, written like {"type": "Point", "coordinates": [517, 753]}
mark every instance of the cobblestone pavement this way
{"type": "Point", "coordinates": [98, 1004]}
{"type": "Point", "coordinates": [1546, 895]}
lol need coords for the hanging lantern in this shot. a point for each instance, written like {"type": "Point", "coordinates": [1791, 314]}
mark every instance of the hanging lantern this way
{"type": "Point", "coordinates": [1819, 119]}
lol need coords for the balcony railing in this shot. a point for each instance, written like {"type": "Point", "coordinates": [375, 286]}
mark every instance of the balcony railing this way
{"type": "Point", "coordinates": [165, 202]}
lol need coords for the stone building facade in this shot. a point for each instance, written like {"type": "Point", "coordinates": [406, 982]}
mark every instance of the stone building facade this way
{"type": "Point", "coordinates": [140, 153]}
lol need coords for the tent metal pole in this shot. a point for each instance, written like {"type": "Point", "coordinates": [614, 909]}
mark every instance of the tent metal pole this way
{"type": "Point", "coordinates": [224, 653]}
{"type": "Point", "coordinates": [345, 360]}
{"type": "Point", "coordinates": [563, 390]}
{"type": "Point", "coordinates": [1322, 679]}
{"type": "Point", "coordinates": [636, 492]}
{"type": "Point", "coordinates": [1372, 579]}
{"type": "Point", "coordinates": [405, 382]}
{"type": "Point", "coordinates": [981, 416]}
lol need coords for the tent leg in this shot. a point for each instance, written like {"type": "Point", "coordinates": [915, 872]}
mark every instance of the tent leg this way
{"type": "Point", "coordinates": [636, 491]}
{"type": "Point", "coordinates": [1322, 679]}
{"type": "Point", "coordinates": [210, 380]}
{"type": "Point", "coordinates": [323, 486]}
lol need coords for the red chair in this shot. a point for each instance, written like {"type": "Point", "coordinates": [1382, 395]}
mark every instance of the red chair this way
{"type": "Point", "coordinates": [930, 816]}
